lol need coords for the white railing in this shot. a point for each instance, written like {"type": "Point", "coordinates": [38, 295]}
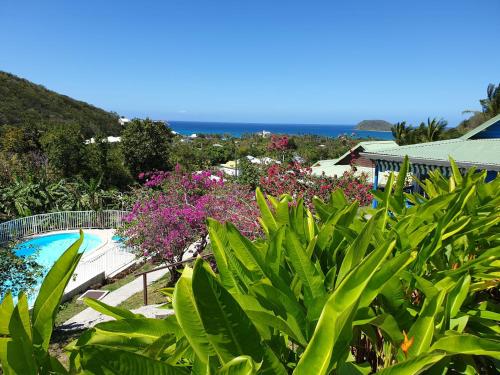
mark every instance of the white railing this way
{"type": "Point", "coordinates": [110, 262]}
{"type": "Point", "coordinates": [37, 224]}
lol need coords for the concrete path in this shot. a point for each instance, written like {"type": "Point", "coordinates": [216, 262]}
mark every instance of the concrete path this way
{"type": "Point", "coordinates": [89, 317]}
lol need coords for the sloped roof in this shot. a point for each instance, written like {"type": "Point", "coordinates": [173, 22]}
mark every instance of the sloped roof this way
{"type": "Point", "coordinates": [371, 146]}
{"type": "Point", "coordinates": [368, 146]}
{"type": "Point", "coordinates": [482, 153]}
{"type": "Point", "coordinates": [482, 127]}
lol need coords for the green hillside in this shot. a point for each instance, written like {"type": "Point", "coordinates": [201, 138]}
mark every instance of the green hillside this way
{"type": "Point", "coordinates": [22, 101]}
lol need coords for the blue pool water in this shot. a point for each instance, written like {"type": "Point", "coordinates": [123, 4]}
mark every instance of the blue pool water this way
{"type": "Point", "coordinates": [47, 249]}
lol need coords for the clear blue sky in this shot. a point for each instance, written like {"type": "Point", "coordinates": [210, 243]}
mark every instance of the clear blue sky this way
{"type": "Point", "coordinates": [259, 60]}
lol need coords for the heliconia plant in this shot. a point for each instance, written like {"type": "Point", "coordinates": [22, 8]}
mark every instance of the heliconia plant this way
{"type": "Point", "coordinates": [401, 289]}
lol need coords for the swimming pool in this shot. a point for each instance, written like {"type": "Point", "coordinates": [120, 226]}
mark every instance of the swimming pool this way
{"type": "Point", "coordinates": [46, 249]}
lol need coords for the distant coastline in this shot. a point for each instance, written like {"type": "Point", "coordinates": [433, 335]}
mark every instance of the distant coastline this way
{"type": "Point", "coordinates": [239, 129]}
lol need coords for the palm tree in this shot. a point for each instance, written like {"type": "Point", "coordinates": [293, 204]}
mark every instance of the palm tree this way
{"type": "Point", "coordinates": [433, 130]}
{"type": "Point", "coordinates": [491, 105]}
{"type": "Point", "coordinates": [400, 132]}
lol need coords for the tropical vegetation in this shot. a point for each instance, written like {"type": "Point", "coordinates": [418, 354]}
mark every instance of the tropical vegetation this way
{"type": "Point", "coordinates": [22, 101]}
{"type": "Point", "coordinates": [17, 273]}
{"type": "Point", "coordinates": [171, 208]}
{"type": "Point", "coordinates": [406, 288]}
{"type": "Point", "coordinates": [435, 130]}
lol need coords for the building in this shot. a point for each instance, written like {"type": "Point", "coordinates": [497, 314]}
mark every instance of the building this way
{"type": "Point", "coordinates": [109, 139]}
{"type": "Point", "coordinates": [233, 167]}
{"type": "Point", "coordinates": [353, 160]}
{"type": "Point", "coordinates": [479, 148]}
{"type": "Point", "coordinates": [123, 121]}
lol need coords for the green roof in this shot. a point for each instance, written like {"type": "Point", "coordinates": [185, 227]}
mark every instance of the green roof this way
{"type": "Point", "coordinates": [373, 146]}
{"type": "Point", "coordinates": [482, 153]}
{"type": "Point", "coordinates": [368, 146]}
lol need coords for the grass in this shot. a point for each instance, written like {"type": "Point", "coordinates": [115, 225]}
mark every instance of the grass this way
{"type": "Point", "coordinates": [69, 309]}
{"type": "Point", "coordinates": [154, 295]}
{"type": "Point", "coordinates": [72, 307]}
{"type": "Point", "coordinates": [117, 283]}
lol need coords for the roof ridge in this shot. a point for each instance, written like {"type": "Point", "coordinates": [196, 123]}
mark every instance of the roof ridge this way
{"type": "Point", "coordinates": [425, 144]}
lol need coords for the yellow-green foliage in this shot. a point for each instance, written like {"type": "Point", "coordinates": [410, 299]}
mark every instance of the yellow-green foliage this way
{"type": "Point", "coordinates": [407, 288]}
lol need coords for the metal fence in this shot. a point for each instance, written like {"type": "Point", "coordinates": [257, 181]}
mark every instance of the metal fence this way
{"type": "Point", "coordinates": [27, 226]}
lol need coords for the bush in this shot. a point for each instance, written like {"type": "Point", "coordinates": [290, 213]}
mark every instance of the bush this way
{"type": "Point", "coordinates": [17, 273]}
{"type": "Point", "coordinates": [298, 181]}
{"type": "Point", "coordinates": [171, 210]}
{"type": "Point", "coordinates": [146, 146]}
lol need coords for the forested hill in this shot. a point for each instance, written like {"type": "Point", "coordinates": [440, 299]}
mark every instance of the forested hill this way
{"type": "Point", "coordinates": [22, 101]}
{"type": "Point", "coordinates": [374, 125]}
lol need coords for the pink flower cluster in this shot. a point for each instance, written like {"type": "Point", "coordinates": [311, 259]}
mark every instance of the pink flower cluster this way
{"type": "Point", "coordinates": [278, 143]}
{"type": "Point", "coordinates": [171, 210]}
{"type": "Point", "coordinates": [172, 213]}
{"type": "Point", "coordinates": [299, 182]}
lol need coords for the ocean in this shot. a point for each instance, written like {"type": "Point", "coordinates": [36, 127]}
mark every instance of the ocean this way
{"type": "Point", "coordinates": [238, 129]}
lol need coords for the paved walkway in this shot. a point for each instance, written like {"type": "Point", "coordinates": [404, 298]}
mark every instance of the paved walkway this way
{"type": "Point", "coordinates": [89, 317]}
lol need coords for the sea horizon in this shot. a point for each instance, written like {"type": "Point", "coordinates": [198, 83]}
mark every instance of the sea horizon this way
{"type": "Point", "coordinates": [237, 129]}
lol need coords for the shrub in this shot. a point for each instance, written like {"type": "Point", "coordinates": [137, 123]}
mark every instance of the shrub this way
{"type": "Point", "coordinates": [298, 181]}
{"type": "Point", "coordinates": [170, 213]}
{"type": "Point", "coordinates": [17, 273]}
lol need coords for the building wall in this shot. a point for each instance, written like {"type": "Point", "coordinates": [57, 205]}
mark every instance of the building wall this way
{"type": "Point", "coordinates": [355, 159]}
{"type": "Point", "coordinates": [491, 132]}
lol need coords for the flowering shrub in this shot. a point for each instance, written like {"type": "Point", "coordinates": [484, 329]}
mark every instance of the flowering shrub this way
{"type": "Point", "coordinates": [299, 182]}
{"type": "Point", "coordinates": [171, 211]}
{"type": "Point", "coordinates": [278, 143]}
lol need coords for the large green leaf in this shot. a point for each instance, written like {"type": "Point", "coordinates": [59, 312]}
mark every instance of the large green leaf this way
{"type": "Point", "coordinates": [268, 220]}
{"type": "Point", "coordinates": [219, 243]}
{"type": "Point", "coordinates": [414, 365]}
{"type": "Point", "coordinates": [189, 318]}
{"type": "Point", "coordinates": [228, 328]}
{"type": "Point", "coordinates": [51, 292]}
{"type": "Point", "coordinates": [112, 311]}
{"type": "Point", "coordinates": [242, 365]}
{"type": "Point", "coordinates": [457, 296]}
{"type": "Point", "coordinates": [356, 251]}
{"type": "Point", "coordinates": [312, 280]}
{"type": "Point", "coordinates": [468, 344]}
{"type": "Point", "coordinates": [390, 269]}
{"type": "Point", "coordinates": [334, 325]}
{"type": "Point", "coordinates": [139, 327]}
{"type": "Point", "coordinates": [280, 303]}
{"type": "Point", "coordinates": [401, 181]}
{"type": "Point", "coordinates": [6, 310]}
{"type": "Point", "coordinates": [247, 253]}
{"type": "Point", "coordinates": [101, 360]}
{"type": "Point", "coordinates": [422, 331]}
{"type": "Point", "coordinates": [20, 356]}
{"type": "Point", "coordinates": [268, 319]}
{"type": "Point", "coordinates": [386, 323]}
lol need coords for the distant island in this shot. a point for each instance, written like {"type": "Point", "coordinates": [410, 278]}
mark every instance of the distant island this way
{"type": "Point", "coordinates": [374, 125]}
